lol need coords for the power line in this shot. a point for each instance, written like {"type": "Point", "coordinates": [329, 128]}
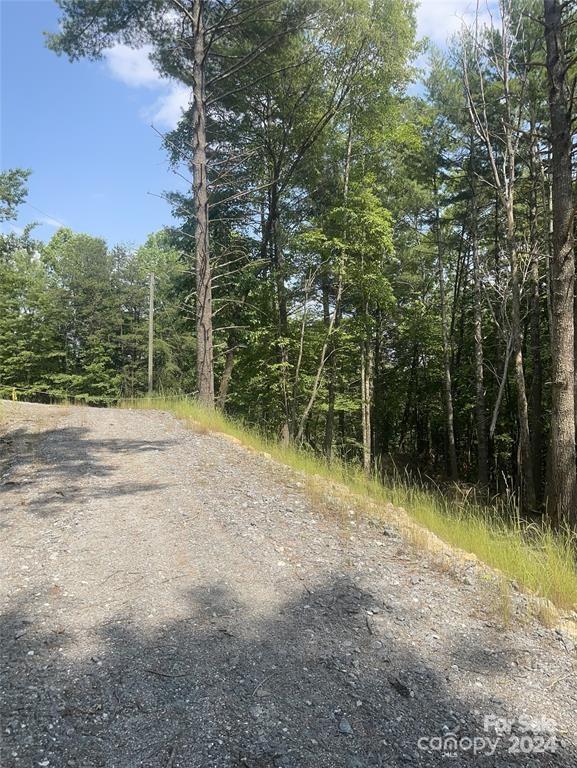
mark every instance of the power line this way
{"type": "Point", "coordinates": [48, 216]}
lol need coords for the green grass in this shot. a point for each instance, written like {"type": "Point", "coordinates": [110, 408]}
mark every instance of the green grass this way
{"type": "Point", "coordinates": [536, 558]}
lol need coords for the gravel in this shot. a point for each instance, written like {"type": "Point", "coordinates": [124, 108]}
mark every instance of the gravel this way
{"type": "Point", "coordinates": [170, 598]}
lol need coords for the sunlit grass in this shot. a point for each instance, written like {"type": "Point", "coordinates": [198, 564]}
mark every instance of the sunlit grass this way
{"type": "Point", "coordinates": [537, 559]}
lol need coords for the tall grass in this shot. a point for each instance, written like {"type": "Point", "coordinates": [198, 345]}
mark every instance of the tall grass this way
{"type": "Point", "coordinates": [536, 558]}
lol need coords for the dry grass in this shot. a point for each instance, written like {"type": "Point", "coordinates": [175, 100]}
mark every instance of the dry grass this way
{"type": "Point", "coordinates": [546, 613]}
{"type": "Point", "coordinates": [539, 560]}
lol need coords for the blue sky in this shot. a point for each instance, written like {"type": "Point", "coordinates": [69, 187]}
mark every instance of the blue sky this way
{"type": "Point", "coordinates": [83, 131]}
{"type": "Point", "coordinates": [85, 128]}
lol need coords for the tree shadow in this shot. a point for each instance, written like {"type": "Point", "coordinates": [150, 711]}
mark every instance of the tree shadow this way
{"type": "Point", "coordinates": [311, 683]}
{"type": "Point", "coordinates": [51, 466]}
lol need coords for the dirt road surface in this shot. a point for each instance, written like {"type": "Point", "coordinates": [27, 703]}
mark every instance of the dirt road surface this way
{"type": "Point", "coordinates": [170, 599]}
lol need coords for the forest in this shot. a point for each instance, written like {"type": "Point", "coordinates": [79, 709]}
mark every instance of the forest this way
{"type": "Point", "coordinates": [375, 259]}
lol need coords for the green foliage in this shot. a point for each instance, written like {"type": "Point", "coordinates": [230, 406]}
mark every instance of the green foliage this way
{"type": "Point", "coordinates": [74, 318]}
{"type": "Point", "coordinates": [13, 192]}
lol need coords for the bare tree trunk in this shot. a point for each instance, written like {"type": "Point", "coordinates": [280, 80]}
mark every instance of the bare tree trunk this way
{"type": "Point", "coordinates": [536, 391]}
{"type": "Point", "coordinates": [282, 307]}
{"type": "Point", "coordinates": [562, 491]}
{"type": "Point", "coordinates": [225, 379]}
{"type": "Point", "coordinates": [379, 397]}
{"type": "Point", "coordinates": [321, 366]}
{"type": "Point", "coordinates": [449, 423]}
{"type": "Point", "coordinates": [296, 378]}
{"type": "Point", "coordinates": [366, 401]}
{"type": "Point", "coordinates": [330, 417]}
{"type": "Point", "coordinates": [501, 390]}
{"type": "Point", "coordinates": [272, 248]}
{"type": "Point", "coordinates": [482, 441]}
{"type": "Point", "coordinates": [329, 423]}
{"type": "Point", "coordinates": [406, 420]}
{"type": "Point", "coordinates": [151, 334]}
{"type": "Point", "coordinates": [525, 462]}
{"type": "Point", "coordinates": [503, 167]}
{"type": "Point", "coordinates": [549, 193]}
{"type": "Point", "coordinates": [204, 351]}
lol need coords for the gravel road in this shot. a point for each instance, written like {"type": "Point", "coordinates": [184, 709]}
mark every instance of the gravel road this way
{"type": "Point", "coordinates": [171, 599]}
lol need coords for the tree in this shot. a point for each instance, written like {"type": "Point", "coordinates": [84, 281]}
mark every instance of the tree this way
{"type": "Point", "coordinates": [81, 273]}
{"type": "Point", "coordinates": [13, 192]}
{"type": "Point", "coordinates": [186, 38]}
{"type": "Point", "coordinates": [31, 345]}
{"type": "Point", "coordinates": [496, 64]}
{"type": "Point", "coordinates": [563, 490]}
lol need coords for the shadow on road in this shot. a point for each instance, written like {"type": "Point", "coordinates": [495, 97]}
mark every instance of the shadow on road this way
{"type": "Point", "coordinates": [317, 683]}
{"type": "Point", "coordinates": [51, 466]}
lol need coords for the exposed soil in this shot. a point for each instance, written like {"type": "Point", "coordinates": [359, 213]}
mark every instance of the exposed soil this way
{"type": "Point", "coordinates": [170, 598]}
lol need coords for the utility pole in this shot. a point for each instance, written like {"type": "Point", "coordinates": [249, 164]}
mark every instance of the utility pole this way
{"type": "Point", "coordinates": [150, 332]}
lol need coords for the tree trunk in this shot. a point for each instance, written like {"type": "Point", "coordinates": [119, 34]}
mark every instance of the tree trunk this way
{"type": "Point", "coordinates": [524, 462]}
{"type": "Point", "coordinates": [204, 351]}
{"type": "Point", "coordinates": [331, 388]}
{"type": "Point", "coordinates": [503, 165]}
{"type": "Point", "coordinates": [449, 423]}
{"type": "Point", "coordinates": [366, 401]}
{"type": "Point", "coordinates": [379, 399]}
{"type": "Point", "coordinates": [321, 366]}
{"type": "Point", "coordinates": [536, 391]}
{"type": "Point", "coordinates": [562, 491]}
{"type": "Point", "coordinates": [330, 417]}
{"type": "Point", "coordinates": [481, 417]}
{"type": "Point", "coordinates": [406, 420]}
{"type": "Point", "coordinates": [278, 265]}
{"type": "Point", "coordinates": [225, 379]}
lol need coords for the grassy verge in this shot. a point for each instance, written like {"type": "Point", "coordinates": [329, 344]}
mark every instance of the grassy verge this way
{"type": "Point", "coordinates": [537, 559]}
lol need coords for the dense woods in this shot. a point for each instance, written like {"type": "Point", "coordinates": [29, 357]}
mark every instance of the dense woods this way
{"type": "Point", "coordinates": [375, 265]}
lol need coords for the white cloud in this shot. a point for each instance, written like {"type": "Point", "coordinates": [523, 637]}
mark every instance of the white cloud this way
{"type": "Point", "coordinates": [439, 19]}
{"type": "Point", "coordinates": [167, 109]}
{"type": "Point", "coordinates": [49, 221]}
{"type": "Point", "coordinates": [133, 67]}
